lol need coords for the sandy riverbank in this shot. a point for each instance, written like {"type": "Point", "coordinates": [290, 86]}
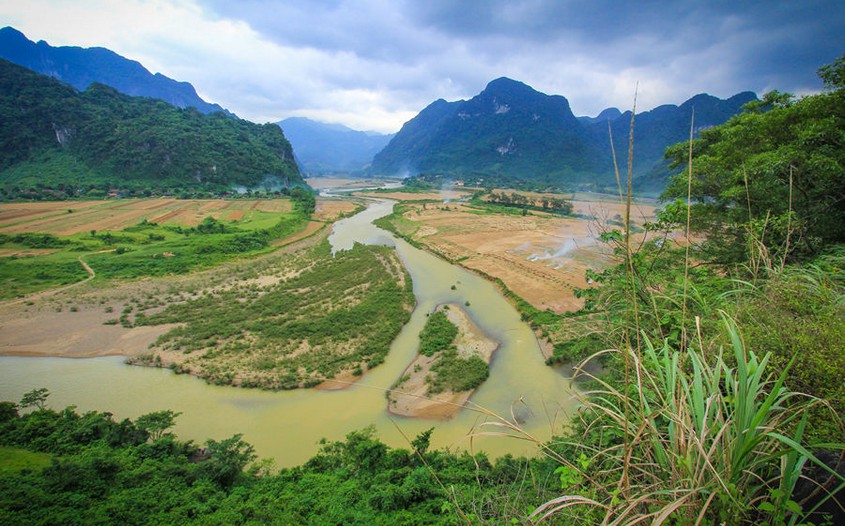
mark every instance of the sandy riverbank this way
{"type": "Point", "coordinates": [411, 397]}
{"type": "Point", "coordinates": [72, 324]}
{"type": "Point", "coordinates": [82, 320]}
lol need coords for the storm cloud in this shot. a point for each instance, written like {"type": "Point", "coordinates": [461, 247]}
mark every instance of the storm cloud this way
{"type": "Point", "coordinates": [373, 64]}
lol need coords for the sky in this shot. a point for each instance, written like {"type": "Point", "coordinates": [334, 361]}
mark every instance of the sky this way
{"type": "Point", "coordinates": [374, 64]}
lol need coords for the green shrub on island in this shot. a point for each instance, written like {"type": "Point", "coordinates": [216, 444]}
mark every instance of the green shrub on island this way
{"type": "Point", "coordinates": [437, 334]}
{"type": "Point", "coordinates": [456, 373]}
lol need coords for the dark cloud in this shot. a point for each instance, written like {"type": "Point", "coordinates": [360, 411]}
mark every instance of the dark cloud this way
{"type": "Point", "coordinates": [375, 63]}
{"type": "Point", "coordinates": [781, 42]}
{"type": "Point", "coordinates": [720, 47]}
{"type": "Point", "coordinates": [373, 29]}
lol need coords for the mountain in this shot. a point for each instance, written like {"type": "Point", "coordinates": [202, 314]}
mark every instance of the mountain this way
{"type": "Point", "coordinates": [80, 67]}
{"type": "Point", "coordinates": [512, 132]}
{"type": "Point", "coordinates": [610, 114]}
{"type": "Point", "coordinates": [664, 126]}
{"type": "Point", "coordinates": [507, 128]}
{"type": "Point", "coordinates": [331, 148]}
{"type": "Point", "coordinates": [54, 137]}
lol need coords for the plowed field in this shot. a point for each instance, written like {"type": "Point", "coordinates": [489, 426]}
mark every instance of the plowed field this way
{"type": "Point", "coordinates": [542, 257]}
{"type": "Point", "coordinates": [72, 217]}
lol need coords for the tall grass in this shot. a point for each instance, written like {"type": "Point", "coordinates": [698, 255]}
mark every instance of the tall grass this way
{"type": "Point", "coordinates": [706, 441]}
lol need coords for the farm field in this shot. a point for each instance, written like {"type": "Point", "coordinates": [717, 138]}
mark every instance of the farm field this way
{"type": "Point", "coordinates": [66, 218]}
{"type": "Point", "coordinates": [48, 248]}
{"type": "Point", "coordinates": [542, 257]}
{"type": "Point", "coordinates": [44, 245]}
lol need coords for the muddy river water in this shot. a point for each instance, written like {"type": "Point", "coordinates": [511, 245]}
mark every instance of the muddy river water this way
{"type": "Point", "coordinates": [287, 426]}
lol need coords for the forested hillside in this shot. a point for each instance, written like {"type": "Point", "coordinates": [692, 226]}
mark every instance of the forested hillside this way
{"type": "Point", "coordinates": [511, 134]}
{"type": "Point", "coordinates": [92, 469]}
{"type": "Point", "coordinates": [724, 322]}
{"type": "Point", "coordinates": [55, 141]}
{"type": "Point", "coordinates": [80, 67]}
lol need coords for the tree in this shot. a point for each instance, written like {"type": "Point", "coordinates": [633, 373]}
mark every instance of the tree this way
{"type": "Point", "coordinates": [774, 176]}
{"type": "Point", "coordinates": [155, 424]}
{"type": "Point", "coordinates": [227, 459]}
{"type": "Point", "coordinates": [8, 411]}
{"type": "Point", "coordinates": [35, 398]}
{"type": "Point", "coordinates": [833, 74]}
{"type": "Point", "coordinates": [422, 442]}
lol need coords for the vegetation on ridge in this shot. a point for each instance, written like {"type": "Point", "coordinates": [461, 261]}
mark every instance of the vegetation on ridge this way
{"type": "Point", "coordinates": [91, 469]}
{"type": "Point", "coordinates": [449, 371]}
{"type": "Point", "coordinates": [56, 142]}
{"type": "Point", "coordinates": [680, 431]}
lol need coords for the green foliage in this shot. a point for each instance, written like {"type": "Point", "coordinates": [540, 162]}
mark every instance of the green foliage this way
{"type": "Point", "coordinates": [685, 434]}
{"type": "Point", "coordinates": [334, 314]}
{"type": "Point", "coordinates": [692, 436]}
{"type": "Point", "coordinates": [8, 411]}
{"type": "Point", "coordinates": [55, 141]}
{"type": "Point", "coordinates": [545, 203]}
{"type": "Point", "coordinates": [772, 178]}
{"type": "Point", "coordinates": [398, 224]}
{"type": "Point", "coordinates": [35, 398]}
{"type": "Point", "coordinates": [145, 249]}
{"type": "Point", "coordinates": [576, 349]}
{"type": "Point", "coordinates": [156, 424]}
{"type": "Point", "coordinates": [304, 201]}
{"type": "Point", "coordinates": [799, 317]}
{"type": "Point", "coordinates": [833, 74]}
{"type": "Point", "coordinates": [89, 469]}
{"type": "Point", "coordinates": [226, 460]}
{"type": "Point", "coordinates": [22, 275]}
{"type": "Point", "coordinates": [437, 334]}
{"type": "Point", "coordinates": [33, 240]}
{"type": "Point", "coordinates": [457, 373]}
{"type": "Point", "coordinates": [14, 460]}
{"type": "Point", "coordinates": [449, 371]}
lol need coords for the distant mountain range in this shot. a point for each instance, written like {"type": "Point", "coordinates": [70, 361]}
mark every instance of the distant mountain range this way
{"type": "Point", "coordinates": [331, 148]}
{"type": "Point", "coordinates": [508, 132]}
{"type": "Point", "coordinates": [58, 142]}
{"type": "Point", "coordinates": [80, 67]}
{"type": "Point", "coordinates": [511, 132]}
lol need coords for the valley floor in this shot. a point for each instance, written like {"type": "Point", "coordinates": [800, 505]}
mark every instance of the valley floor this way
{"type": "Point", "coordinates": [77, 321]}
{"type": "Point", "coordinates": [541, 257]}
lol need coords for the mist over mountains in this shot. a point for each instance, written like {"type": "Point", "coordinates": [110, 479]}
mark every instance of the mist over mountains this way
{"type": "Point", "coordinates": [322, 148]}
{"type": "Point", "coordinates": [507, 133]}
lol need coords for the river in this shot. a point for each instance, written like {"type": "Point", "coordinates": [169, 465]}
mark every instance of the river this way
{"type": "Point", "coordinates": [287, 426]}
